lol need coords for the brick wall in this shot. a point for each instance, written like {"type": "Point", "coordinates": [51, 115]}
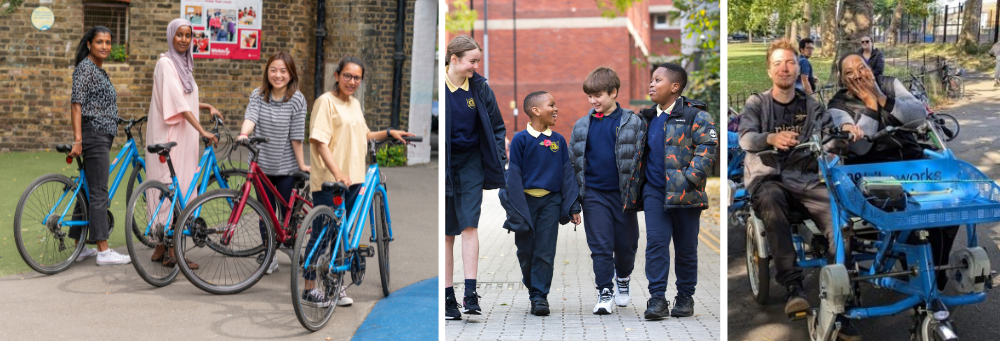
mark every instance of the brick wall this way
{"type": "Point", "coordinates": [558, 60]}
{"type": "Point", "coordinates": [36, 66]}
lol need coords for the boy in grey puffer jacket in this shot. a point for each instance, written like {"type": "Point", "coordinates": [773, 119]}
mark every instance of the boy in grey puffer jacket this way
{"type": "Point", "coordinates": [603, 146]}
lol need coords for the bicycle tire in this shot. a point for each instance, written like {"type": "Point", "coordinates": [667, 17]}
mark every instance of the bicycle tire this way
{"type": "Point", "coordinates": [954, 128]}
{"type": "Point", "coordinates": [132, 185]}
{"type": "Point", "coordinates": [141, 245]}
{"type": "Point", "coordinates": [313, 317]}
{"type": "Point", "coordinates": [380, 225]}
{"type": "Point", "coordinates": [215, 211]}
{"type": "Point", "coordinates": [50, 233]}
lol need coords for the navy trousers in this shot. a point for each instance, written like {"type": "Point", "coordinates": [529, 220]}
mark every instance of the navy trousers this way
{"type": "Point", "coordinates": [325, 198]}
{"type": "Point", "coordinates": [613, 236]}
{"type": "Point", "coordinates": [536, 249]}
{"type": "Point", "coordinates": [680, 225]}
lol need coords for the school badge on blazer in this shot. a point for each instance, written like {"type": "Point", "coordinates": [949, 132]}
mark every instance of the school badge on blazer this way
{"type": "Point", "coordinates": [471, 103]}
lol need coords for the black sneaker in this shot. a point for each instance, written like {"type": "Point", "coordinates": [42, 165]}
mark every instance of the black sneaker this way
{"type": "Point", "coordinates": [315, 298]}
{"type": "Point", "coordinates": [540, 307]}
{"type": "Point", "coordinates": [471, 305]}
{"type": "Point", "coordinates": [658, 308]}
{"type": "Point", "coordinates": [847, 331]}
{"type": "Point", "coordinates": [451, 311]}
{"type": "Point", "coordinates": [683, 306]}
{"type": "Point", "coordinates": [796, 305]}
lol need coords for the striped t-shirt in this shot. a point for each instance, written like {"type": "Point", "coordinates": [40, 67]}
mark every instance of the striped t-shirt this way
{"type": "Point", "coordinates": [282, 122]}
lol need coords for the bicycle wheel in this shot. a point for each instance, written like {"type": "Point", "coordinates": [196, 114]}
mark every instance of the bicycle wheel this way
{"type": "Point", "coordinates": [380, 225]}
{"type": "Point", "coordinates": [137, 177]}
{"type": "Point", "coordinates": [314, 311]}
{"type": "Point", "coordinates": [143, 237]}
{"type": "Point", "coordinates": [43, 243]}
{"type": "Point", "coordinates": [223, 272]}
{"type": "Point", "coordinates": [955, 87]}
{"type": "Point", "coordinates": [949, 126]}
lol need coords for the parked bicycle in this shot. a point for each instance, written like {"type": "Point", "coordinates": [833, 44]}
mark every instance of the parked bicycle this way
{"type": "Point", "coordinates": [43, 215]}
{"type": "Point", "coordinates": [154, 207]}
{"type": "Point", "coordinates": [239, 231]}
{"type": "Point", "coordinates": [948, 124]}
{"type": "Point", "coordinates": [313, 268]}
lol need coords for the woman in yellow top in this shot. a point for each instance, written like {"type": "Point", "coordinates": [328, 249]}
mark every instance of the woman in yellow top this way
{"type": "Point", "coordinates": [337, 148]}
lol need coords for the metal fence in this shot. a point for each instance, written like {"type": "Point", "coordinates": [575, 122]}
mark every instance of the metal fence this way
{"type": "Point", "coordinates": [943, 24]}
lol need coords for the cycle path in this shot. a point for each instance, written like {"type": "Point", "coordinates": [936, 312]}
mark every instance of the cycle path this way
{"type": "Point", "coordinates": [91, 302]}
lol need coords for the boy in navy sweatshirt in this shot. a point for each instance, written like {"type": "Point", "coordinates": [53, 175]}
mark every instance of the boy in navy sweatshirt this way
{"type": "Point", "coordinates": [538, 176]}
{"type": "Point", "coordinates": [602, 150]}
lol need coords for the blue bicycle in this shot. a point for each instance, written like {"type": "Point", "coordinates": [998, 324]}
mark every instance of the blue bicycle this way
{"type": "Point", "coordinates": [154, 207]}
{"type": "Point", "coordinates": [326, 271]}
{"type": "Point", "coordinates": [43, 218]}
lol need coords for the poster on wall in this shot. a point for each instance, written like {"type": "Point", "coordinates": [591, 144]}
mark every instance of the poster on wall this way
{"type": "Point", "coordinates": [224, 29]}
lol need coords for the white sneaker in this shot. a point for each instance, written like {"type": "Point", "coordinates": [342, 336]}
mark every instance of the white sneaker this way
{"type": "Point", "coordinates": [344, 301]}
{"type": "Point", "coordinates": [86, 253]}
{"type": "Point", "coordinates": [110, 257]}
{"type": "Point", "coordinates": [274, 265]}
{"type": "Point", "coordinates": [604, 305]}
{"type": "Point", "coordinates": [622, 296]}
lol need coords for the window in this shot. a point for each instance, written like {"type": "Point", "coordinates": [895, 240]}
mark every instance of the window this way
{"type": "Point", "coordinates": [114, 16]}
{"type": "Point", "coordinates": [666, 21]}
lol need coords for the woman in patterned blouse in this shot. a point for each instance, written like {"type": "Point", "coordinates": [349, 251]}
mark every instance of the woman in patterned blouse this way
{"type": "Point", "coordinates": [95, 125]}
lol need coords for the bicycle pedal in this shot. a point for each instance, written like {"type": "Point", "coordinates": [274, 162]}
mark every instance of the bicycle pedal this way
{"type": "Point", "coordinates": [366, 250]}
{"type": "Point", "coordinates": [798, 315]}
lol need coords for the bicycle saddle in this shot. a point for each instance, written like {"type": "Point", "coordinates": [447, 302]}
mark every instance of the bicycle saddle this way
{"type": "Point", "coordinates": [162, 147]}
{"type": "Point", "coordinates": [336, 187]}
{"type": "Point", "coordinates": [300, 175]}
{"type": "Point", "coordinates": [64, 148]}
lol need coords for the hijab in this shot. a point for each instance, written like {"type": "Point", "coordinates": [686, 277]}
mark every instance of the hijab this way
{"type": "Point", "coordinates": [183, 61]}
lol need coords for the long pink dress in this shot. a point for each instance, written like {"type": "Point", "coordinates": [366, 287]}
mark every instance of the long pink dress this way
{"type": "Point", "coordinates": [167, 124]}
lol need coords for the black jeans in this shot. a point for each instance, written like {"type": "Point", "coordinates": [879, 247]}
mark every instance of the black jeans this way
{"type": "Point", "coordinates": [284, 184]}
{"type": "Point", "coordinates": [96, 163]}
{"type": "Point", "coordinates": [325, 198]}
{"type": "Point", "coordinates": [770, 202]}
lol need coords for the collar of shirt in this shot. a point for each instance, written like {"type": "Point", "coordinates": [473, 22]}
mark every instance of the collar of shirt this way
{"type": "Point", "coordinates": [534, 133]}
{"type": "Point", "coordinates": [660, 110]}
{"type": "Point", "coordinates": [453, 87]}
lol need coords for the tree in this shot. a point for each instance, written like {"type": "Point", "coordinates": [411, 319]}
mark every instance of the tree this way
{"type": "Point", "coordinates": [855, 22]}
{"type": "Point", "coordinates": [805, 28]}
{"type": "Point", "coordinates": [970, 24]}
{"type": "Point", "coordinates": [460, 18]}
{"type": "Point", "coordinates": [829, 34]}
{"type": "Point", "coordinates": [897, 16]}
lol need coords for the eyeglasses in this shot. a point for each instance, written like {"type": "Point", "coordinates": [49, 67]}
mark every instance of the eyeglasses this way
{"type": "Point", "coordinates": [350, 77]}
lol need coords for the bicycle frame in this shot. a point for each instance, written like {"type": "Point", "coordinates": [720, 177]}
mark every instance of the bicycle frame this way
{"type": "Point", "coordinates": [129, 155]}
{"type": "Point", "coordinates": [356, 219]}
{"type": "Point", "coordinates": [208, 158]}
{"type": "Point", "coordinates": [918, 289]}
{"type": "Point", "coordinates": [257, 180]}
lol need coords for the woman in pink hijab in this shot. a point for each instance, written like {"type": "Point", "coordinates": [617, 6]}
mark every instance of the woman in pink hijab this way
{"type": "Point", "coordinates": [173, 117]}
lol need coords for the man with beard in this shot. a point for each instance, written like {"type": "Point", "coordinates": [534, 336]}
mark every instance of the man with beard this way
{"type": "Point", "coordinates": [781, 118]}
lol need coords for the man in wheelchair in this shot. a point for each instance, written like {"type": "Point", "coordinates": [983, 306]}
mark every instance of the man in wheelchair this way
{"type": "Point", "coordinates": [777, 174]}
{"type": "Point", "coordinates": [872, 104]}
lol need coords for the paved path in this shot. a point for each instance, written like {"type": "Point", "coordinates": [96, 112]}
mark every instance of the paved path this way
{"type": "Point", "coordinates": [90, 302]}
{"type": "Point", "coordinates": [505, 300]}
{"type": "Point", "coordinates": [977, 143]}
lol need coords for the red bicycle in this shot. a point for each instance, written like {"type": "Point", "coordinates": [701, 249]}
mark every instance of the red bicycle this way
{"type": "Point", "coordinates": [221, 217]}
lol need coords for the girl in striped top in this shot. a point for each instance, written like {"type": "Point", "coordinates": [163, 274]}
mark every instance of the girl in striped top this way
{"type": "Point", "coordinates": [277, 110]}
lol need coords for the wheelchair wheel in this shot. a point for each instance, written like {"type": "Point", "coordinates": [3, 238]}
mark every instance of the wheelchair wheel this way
{"type": "Point", "coordinates": [758, 269]}
{"type": "Point", "coordinates": [930, 329]}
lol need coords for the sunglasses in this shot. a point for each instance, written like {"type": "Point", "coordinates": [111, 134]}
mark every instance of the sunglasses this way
{"type": "Point", "coordinates": [865, 41]}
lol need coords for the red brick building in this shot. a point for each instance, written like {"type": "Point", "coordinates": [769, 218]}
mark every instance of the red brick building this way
{"type": "Point", "coordinates": [559, 43]}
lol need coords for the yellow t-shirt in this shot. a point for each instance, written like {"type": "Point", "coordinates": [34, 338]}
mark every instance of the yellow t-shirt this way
{"type": "Point", "coordinates": [342, 126]}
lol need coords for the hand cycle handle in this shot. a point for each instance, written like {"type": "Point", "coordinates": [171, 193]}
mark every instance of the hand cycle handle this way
{"type": "Point", "coordinates": [413, 138]}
